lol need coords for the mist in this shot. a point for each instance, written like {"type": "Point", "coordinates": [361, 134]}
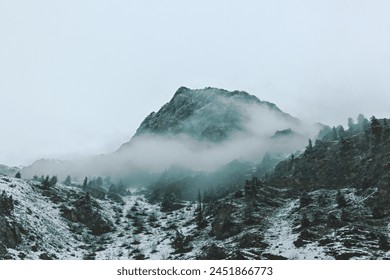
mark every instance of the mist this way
{"type": "Point", "coordinates": [150, 154]}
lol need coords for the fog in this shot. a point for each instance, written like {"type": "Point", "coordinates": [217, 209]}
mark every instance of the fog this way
{"type": "Point", "coordinates": [151, 153]}
{"type": "Point", "coordinates": [78, 77]}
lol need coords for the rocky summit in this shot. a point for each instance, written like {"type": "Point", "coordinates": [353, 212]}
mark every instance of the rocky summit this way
{"type": "Point", "coordinates": [206, 114]}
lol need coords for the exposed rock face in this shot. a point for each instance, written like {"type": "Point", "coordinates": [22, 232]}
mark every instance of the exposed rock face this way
{"type": "Point", "coordinates": [193, 123]}
{"type": "Point", "coordinates": [205, 114]}
{"type": "Point", "coordinates": [8, 171]}
{"type": "Point", "coordinates": [85, 212]}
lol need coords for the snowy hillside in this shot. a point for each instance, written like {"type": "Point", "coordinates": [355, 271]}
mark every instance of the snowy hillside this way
{"type": "Point", "coordinates": [267, 224]}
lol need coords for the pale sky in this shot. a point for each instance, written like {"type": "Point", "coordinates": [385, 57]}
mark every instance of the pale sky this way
{"type": "Point", "coordinates": [78, 77]}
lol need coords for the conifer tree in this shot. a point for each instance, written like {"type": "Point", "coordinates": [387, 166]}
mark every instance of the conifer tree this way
{"type": "Point", "coordinates": [68, 181]}
{"type": "Point", "coordinates": [85, 183]}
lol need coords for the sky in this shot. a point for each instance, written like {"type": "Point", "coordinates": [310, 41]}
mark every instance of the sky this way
{"type": "Point", "coordinates": [78, 77]}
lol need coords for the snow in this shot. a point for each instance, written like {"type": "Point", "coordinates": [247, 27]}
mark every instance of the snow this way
{"type": "Point", "coordinates": [281, 237]}
{"type": "Point", "coordinates": [137, 235]}
{"type": "Point", "coordinates": [44, 223]}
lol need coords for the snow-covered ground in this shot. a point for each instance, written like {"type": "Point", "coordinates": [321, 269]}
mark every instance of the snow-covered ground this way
{"type": "Point", "coordinates": [46, 230]}
{"type": "Point", "coordinates": [142, 231]}
{"type": "Point", "coordinates": [49, 232]}
{"type": "Point", "coordinates": [281, 237]}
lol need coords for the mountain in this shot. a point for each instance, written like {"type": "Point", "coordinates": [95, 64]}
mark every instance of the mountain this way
{"type": "Point", "coordinates": [200, 130]}
{"type": "Point", "coordinates": [209, 114]}
{"type": "Point", "coordinates": [9, 171]}
{"type": "Point", "coordinates": [330, 201]}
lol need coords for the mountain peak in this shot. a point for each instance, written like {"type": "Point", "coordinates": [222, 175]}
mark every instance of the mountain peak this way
{"type": "Point", "coordinates": [212, 91]}
{"type": "Point", "coordinates": [210, 114]}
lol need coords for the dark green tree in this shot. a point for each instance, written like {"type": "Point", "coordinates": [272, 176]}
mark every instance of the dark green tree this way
{"type": "Point", "coordinates": [376, 129]}
{"type": "Point", "coordinates": [362, 122]}
{"type": "Point", "coordinates": [53, 181]}
{"type": "Point", "coordinates": [68, 181]}
{"type": "Point", "coordinates": [309, 148]}
{"type": "Point", "coordinates": [340, 199]}
{"type": "Point", "coordinates": [85, 183]}
{"type": "Point", "coordinates": [46, 182]}
{"type": "Point", "coordinates": [18, 175]}
{"type": "Point", "coordinates": [340, 131]}
{"type": "Point", "coordinates": [181, 243]}
{"type": "Point", "coordinates": [6, 203]}
{"type": "Point", "coordinates": [334, 134]}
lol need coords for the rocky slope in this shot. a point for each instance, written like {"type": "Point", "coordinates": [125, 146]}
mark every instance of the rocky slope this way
{"type": "Point", "coordinates": [208, 114]}
{"type": "Point", "coordinates": [8, 171]}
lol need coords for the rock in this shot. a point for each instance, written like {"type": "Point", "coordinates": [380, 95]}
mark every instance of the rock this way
{"type": "Point", "coordinates": [10, 234]}
{"type": "Point", "coordinates": [268, 256]}
{"type": "Point", "coordinates": [45, 256]}
{"type": "Point", "coordinates": [85, 212]}
{"type": "Point", "coordinates": [252, 240]}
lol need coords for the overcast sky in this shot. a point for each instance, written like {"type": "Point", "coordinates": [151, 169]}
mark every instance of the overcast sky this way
{"type": "Point", "coordinates": [78, 77]}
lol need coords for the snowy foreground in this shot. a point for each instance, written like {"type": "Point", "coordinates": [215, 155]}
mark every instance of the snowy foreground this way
{"type": "Point", "coordinates": [139, 230]}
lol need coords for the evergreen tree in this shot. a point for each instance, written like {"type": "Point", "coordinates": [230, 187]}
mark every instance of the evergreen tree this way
{"type": "Point", "coordinates": [85, 183]}
{"type": "Point", "coordinates": [181, 243]}
{"type": "Point", "coordinates": [18, 175]}
{"type": "Point", "coordinates": [53, 181]}
{"type": "Point", "coordinates": [168, 201]}
{"type": "Point", "coordinates": [376, 129]}
{"type": "Point", "coordinates": [351, 125]}
{"type": "Point", "coordinates": [68, 181]}
{"type": "Point", "coordinates": [46, 182]}
{"type": "Point", "coordinates": [6, 204]}
{"type": "Point", "coordinates": [309, 148]}
{"type": "Point", "coordinates": [201, 223]}
{"type": "Point", "coordinates": [199, 201]}
{"type": "Point", "coordinates": [340, 131]}
{"type": "Point", "coordinates": [341, 202]}
{"type": "Point", "coordinates": [334, 134]}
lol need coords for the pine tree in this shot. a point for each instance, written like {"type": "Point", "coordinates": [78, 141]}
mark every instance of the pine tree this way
{"type": "Point", "coordinates": [68, 181]}
{"type": "Point", "coordinates": [6, 204]}
{"type": "Point", "coordinates": [46, 182]}
{"type": "Point", "coordinates": [53, 181]}
{"type": "Point", "coordinates": [18, 175]}
{"type": "Point", "coordinates": [340, 131]}
{"type": "Point", "coordinates": [341, 202]}
{"type": "Point", "coordinates": [85, 183]}
{"type": "Point", "coordinates": [201, 222]}
{"type": "Point", "coordinates": [376, 129]}
{"type": "Point", "coordinates": [309, 148]}
{"type": "Point", "coordinates": [362, 122]}
{"type": "Point", "coordinates": [351, 125]}
{"type": "Point", "coordinates": [199, 201]}
{"type": "Point", "coordinates": [334, 134]}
